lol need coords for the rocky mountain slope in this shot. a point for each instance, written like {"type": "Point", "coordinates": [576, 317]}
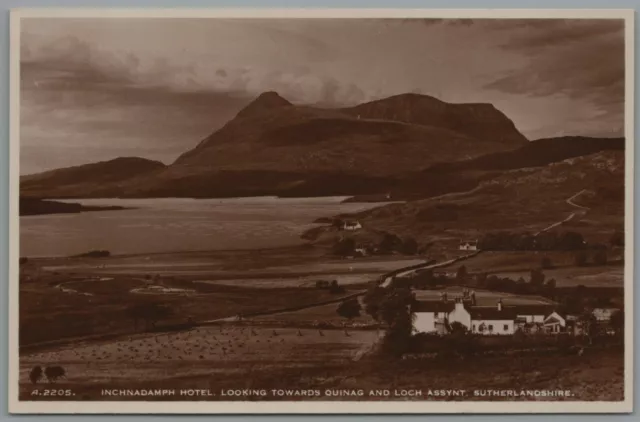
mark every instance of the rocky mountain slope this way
{"type": "Point", "coordinates": [273, 147]}
{"type": "Point", "coordinates": [526, 199]}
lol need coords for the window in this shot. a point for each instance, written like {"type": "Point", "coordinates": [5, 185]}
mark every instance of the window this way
{"type": "Point", "coordinates": [490, 327]}
{"type": "Point", "coordinates": [506, 327]}
{"type": "Point", "coordinates": [473, 327]}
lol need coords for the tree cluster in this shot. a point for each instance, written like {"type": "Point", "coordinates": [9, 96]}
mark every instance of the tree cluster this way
{"type": "Point", "coordinates": [389, 244]}
{"type": "Point", "coordinates": [599, 257]}
{"type": "Point", "coordinates": [392, 307]}
{"type": "Point", "coordinates": [334, 287]}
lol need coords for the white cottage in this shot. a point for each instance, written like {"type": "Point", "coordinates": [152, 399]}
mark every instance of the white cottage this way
{"type": "Point", "coordinates": [431, 317]}
{"type": "Point", "coordinates": [555, 323]}
{"type": "Point", "coordinates": [351, 225]}
{"type": "Point", "coordinates": [533, 314]}
{"type": "Point", "coordinates": [468, 245]}
{"type": "Point", "coordinates": [488, 320]}
{"type": "Point", "coordinates": [604, 314]}
{"type": "Point", "coordinates": [434, 317]}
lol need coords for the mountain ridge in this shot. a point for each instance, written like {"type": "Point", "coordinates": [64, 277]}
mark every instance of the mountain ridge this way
{"type": "Point", "coordinates": [273, 147]}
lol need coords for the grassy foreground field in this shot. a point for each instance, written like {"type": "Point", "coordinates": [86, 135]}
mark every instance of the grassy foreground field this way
{"type": "Point", "coordinates": [332, 370]}
{"type": "Point", "coordinates": [205, 350]}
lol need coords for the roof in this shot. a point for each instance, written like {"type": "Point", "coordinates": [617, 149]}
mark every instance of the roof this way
{"type": "Point", "coordinates": [552, 319]}
{"type": "Point", "coordinates": [535, 309]}
{"type": "Point", "coordinates": [486, 312]}
{"type": "Point", "coordinates": [433, 306]}
{"type": "Point", "coordinates": [492, 313]}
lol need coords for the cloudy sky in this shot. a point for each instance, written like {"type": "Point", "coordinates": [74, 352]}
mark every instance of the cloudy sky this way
{"type": "Point", "coordinates": [96, 89]}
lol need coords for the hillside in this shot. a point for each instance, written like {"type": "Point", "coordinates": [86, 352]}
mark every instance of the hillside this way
{"type": "Point", "coordinates": [527, 199]}
{"type": "Point", "coordinates": [105, 178]}
{"type": "Point", "coordinates": [464, 175]}
{"type": "Point", "coordinates": [273, 147]}
{"type": "Point", "coordinates": [534, 154]}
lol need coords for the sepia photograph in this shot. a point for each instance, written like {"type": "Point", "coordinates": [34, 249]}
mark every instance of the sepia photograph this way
{"type": "Point", "coordinates": [321, 211]}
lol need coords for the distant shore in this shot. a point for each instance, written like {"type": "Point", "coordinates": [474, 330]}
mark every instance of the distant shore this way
{"type": "Point", "coordinates": [33, 206]}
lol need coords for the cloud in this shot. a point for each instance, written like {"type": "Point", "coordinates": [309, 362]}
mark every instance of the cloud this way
{"type": "Point", "coordinates": [71, 117]}
{"type": "Point", "coordinates": [229, 70]}
{"type": "Point", "coordinates": [580, 60]}
{"type": "Point", "coordinates": [155, 87]}
{"type": "Point", "coordinates": [537, 34]}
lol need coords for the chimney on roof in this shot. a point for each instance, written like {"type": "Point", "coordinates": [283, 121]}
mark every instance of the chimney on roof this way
{"type": "Point", "coordinates": [499, 304]}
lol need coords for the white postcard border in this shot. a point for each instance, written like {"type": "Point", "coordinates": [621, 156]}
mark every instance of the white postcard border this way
{"type": "Point", "coordinates": [313, 407]}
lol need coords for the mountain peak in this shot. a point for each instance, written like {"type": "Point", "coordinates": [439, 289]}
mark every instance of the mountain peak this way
{"type": "Point", "coordinates": [481, 121]}
{"type": "Point", "coordinates": [266, 101]}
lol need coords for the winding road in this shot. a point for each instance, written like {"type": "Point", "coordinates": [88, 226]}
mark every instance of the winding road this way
{"type": "Point", "coordinates": [569, 201]}
{"type": "Point", "coordinates": [402, 272]}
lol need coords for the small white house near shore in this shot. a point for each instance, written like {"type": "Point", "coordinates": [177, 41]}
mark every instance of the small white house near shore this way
{"type": "Point", "coordinates": [468, 245]}
{"type": "Point", "coordinates": [351, 225]}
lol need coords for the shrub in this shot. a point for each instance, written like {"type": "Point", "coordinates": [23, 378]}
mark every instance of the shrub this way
{"type": "Point", "coordinates": [551, 284]}
{"type": "Point", "coordinates": [349, 309]}
{"type": "Point", "coordinates": [389, 243]}
{"type": "Point", "coordinates": [537, 277]}
{"type": "Point", "coordinates": [409, 246]}
{"type": "Point", "coordinates": [600, 257]}
{"type": "Point", "coordinates": [335, 288]}
{"type": "Point", "coordinates": [545, 263]}
{"type": "Point", "coordinates": [346, 246]}
{"type": "Point", "coordinates": [581, 259]}
{"type": "Point", "coordinates": [462, 274]}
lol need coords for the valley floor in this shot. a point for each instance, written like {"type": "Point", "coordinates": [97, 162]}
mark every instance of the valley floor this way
{"type": "Point", "coordinates": [75, 314]}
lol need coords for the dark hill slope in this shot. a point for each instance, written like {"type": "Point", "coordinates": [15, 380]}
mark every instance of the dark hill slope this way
{"type": "Point", "coordinates": [460, 176]}
{"type": "Point", "coordinates": [105, 178]}
{"type": "Point", "coordinates": [535, 154]}
{"type": "Point", "coordinates": [516, 200]}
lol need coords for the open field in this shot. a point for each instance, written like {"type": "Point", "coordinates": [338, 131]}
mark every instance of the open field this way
{"type": "Point", "coordinates": [211, 350]}
{"type": "Point", "coordinates": [271, 261]}
{"type": "Point", "coordinates": [317, 315]}
{"type": "Point", "coordinates": [598, 375]}
{"type": "Point", "coordinates": [604, 276]}
{"type": "Point", "coordinates": [76, 297]}
{"type": "Point", "coordinates": [96, 307]}
{"type": "Point", "coordinates": [494, 261]}
{"type": "Point", "coordinates": [519, 264]}
{"type": "Point", "coordinates": [295, 281]}
{"type": "Point", "coordinates": [483, 297]}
